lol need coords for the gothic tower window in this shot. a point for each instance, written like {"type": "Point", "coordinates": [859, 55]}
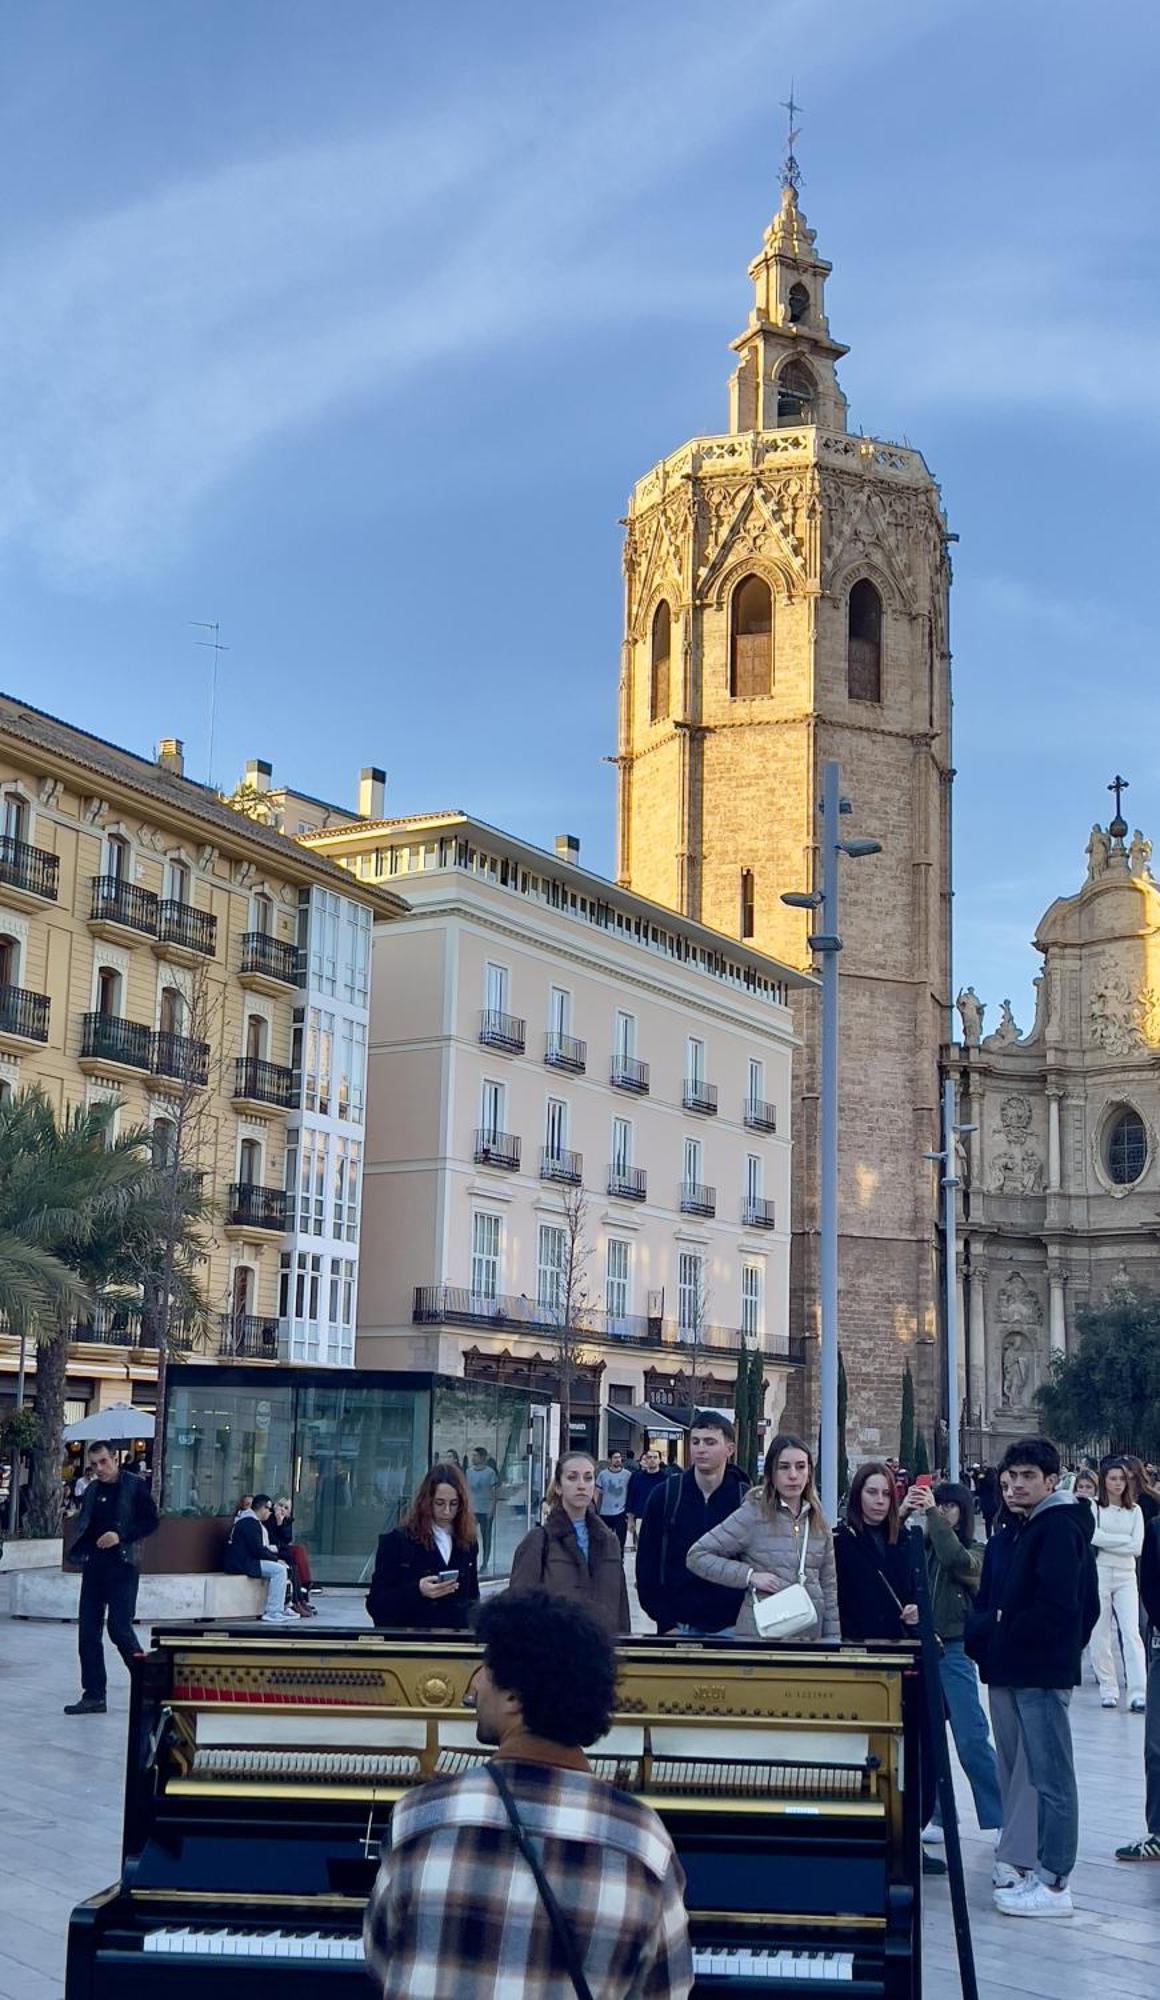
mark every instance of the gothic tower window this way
{"type": "Point", "coordinates": [747, 903]}
{"type": "Point", "coordinates": [796, 389]}
{"type": "Point", "coordinates": [662, 646]}
{"type": "Point", "coordinates": [751, 639]}
{"type": "Point", "coordinates": [799, 304]}
{"type": "Point", "coordinates": [1127, 1148]}
{"type": "Point", "coordinates": [864, 643]}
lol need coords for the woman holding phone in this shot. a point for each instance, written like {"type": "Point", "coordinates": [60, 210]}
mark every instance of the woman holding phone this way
{"type": "Point", "coordinates": [427, 1570]}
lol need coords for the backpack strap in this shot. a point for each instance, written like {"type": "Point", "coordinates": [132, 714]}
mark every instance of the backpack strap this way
{"type": "Point", "coordinates": [672, 1502]}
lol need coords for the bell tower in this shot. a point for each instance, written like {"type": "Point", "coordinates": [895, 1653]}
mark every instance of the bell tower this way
{"type": "Point", "coordinates": [786, 600]}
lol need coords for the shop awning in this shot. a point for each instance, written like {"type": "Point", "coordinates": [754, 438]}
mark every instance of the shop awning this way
{"type": "Point", "coordinates": [643, 1417]}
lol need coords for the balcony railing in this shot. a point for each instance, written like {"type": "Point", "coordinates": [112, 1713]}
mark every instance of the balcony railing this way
{"type": "Point", "coordinates": [31, 869]}
{"type": "Point", "coordinates": [180, 924]}
{"type": "Point", "coordinates": [628, 1183]}
{"type": "Point", "coordinates": [454, 1305]}
{"type": "Point", "coordinates": [270, 957]}
{"type": "Point", "coordinates": [180, 1057]}
{"type": "Point", "coordinates": [107, 1038]}
{"type": "Point", "coordinates": [697, 1199]}
{"type": "Point", "coordinates": [699, 1096]}
{"type": "Point", "coordinates": [23, 1014]}
{"type": "Point", "coordinates": [252, 1207]}
{"type": "Point", "coordinates": [565, 1052]}
{"type": "Point", "coordinates": [757, 1214]}
{"type": "Point", "coordinates": [503, 1031]}
{"type": "Point", "coordinates": [497, 1149]}
{"type": "Point", "coordinates": [557, 1164]}
{"type": "Point", "coordinates": [250, 1337]}
{"type": "Point", "coordinates": [629, 1074]}
{"type": "Point", "coordinates": [116, 901]}
{"type": "Point", "coordinates": [263, 1082]}
{"type": "Point", "coordinates": [759, 1116]}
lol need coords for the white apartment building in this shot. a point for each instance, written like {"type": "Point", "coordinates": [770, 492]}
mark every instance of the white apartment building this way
{"type": "Point", "coordinates": [541, 1039]}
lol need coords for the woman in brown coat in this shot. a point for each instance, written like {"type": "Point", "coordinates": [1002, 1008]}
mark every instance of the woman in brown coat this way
{"type": "Point", "coordinates": [575, 1555]}
{"type": "Point", "coordinates": [758, 1548]}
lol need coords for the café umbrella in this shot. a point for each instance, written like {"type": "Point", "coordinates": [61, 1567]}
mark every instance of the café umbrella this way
{"type": "Point", "coordinates": [120, 1423]}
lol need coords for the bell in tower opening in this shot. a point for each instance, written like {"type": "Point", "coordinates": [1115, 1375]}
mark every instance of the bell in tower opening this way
{"type": "Point", "coordinates": [786, 603]}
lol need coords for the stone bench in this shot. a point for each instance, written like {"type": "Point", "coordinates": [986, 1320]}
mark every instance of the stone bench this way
{"type": "Point", "coordinates": [55, 1593]}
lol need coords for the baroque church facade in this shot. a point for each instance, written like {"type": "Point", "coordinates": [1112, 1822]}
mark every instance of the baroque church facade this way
{"type": "Point", "coordinates": [786, 603]}
{"type": "Point", "coordinates": [1060, 1199]}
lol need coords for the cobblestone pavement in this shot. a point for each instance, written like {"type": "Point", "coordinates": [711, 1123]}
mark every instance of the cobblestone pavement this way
{"type": "Point", "coordinates": [60, 1813]}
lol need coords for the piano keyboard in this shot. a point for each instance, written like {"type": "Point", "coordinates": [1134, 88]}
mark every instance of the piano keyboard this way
{"type": "Point", "coordinates": [739, 1962]}
{"type": "Point", "coordinates": [317, 1947]}
{"type": "Point", "coordinates": [303, 1765]}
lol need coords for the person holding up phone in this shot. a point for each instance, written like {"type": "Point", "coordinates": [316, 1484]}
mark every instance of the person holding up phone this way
{"type": "Point", "coordinates": [426, 1574]}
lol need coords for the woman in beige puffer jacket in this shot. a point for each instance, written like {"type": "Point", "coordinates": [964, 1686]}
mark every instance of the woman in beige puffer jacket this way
{"type": "Point", "coordinates": [758, 1549]}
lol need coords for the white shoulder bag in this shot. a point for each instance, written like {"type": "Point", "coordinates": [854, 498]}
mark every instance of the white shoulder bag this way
{"type": "Point", "coordinates": [787, 1613]}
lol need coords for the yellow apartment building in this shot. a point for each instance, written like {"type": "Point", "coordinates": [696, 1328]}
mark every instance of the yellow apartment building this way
{"type": "Point", "coordinates": [156, 947]}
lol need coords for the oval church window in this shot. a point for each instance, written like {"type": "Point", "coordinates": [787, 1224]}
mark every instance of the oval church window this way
{"type": "Point", "coordinates": [1126, 1148]}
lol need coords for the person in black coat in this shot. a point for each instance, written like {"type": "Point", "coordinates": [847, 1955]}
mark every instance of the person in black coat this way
{"type": "Point", "coordinates": [412, 1585]}
{"type": "Point", "coordinates": [876, 1598]}
{"type": "Point", "coordinates": [116, 1513]}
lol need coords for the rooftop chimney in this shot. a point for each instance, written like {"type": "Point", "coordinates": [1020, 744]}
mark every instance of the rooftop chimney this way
{"type": "Point", "coordinates": [568, 848]}
{"type": "Point", "coordinates": [372, 792]}
{"type": "Point", "coordinates": [171, 755]}
{"type": "Point", "coordinates": [259, 774]}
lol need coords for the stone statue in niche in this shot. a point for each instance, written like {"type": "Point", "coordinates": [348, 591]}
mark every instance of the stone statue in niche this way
{"type": "Point", "coordinates": [1018, 1169]}
{"type": "Point", "coordinates": [1007, 1031]}
{"type": "Point", "coordinates": [1018, 1305]}
{"type": "Point", "coordinates": [971, 1011]}
{"type": "Point", "coordinates": [1114, 1010]}
{"type": "Point", "coordinates": [1097, 852]}
{"type": "Point", "coordinates": [1140, 856]}
{"type": "Point", "coordinates": [1017, 1372]}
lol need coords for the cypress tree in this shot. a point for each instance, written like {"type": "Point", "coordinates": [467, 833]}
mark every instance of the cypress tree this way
{"type": "Point", "coordinates": [906, 1428]}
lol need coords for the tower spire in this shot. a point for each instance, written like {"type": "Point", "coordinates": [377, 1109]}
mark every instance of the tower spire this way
{"type": "Point", "coordinates": [791, 173]}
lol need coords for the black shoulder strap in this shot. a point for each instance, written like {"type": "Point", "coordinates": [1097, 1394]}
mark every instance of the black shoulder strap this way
{"type": "Point", "coordinates": [672, 1502]}
{"type": "Point", "coordinates": [556, 1917]}
{"type": "Point", "coordinates": [544, 1545]}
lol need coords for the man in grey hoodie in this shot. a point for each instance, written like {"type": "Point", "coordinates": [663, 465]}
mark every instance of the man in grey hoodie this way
{"type": "Point", "coordinates": [1027, 1642]}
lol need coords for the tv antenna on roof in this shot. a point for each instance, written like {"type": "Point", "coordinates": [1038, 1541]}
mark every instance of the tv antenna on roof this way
{"type": "Point", "coordinates": [216, 647]}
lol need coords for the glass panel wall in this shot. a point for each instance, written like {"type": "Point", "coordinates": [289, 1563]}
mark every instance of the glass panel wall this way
{"type": "Point", "coordinates": [224, 1440]}
{"type": "Point", "coordinates": [360, 1453]}
{"type": "Point", "coordinates": [498, 1438]}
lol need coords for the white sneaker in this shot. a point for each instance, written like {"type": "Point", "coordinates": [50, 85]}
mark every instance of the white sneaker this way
{"type": "Point", "coordinates": [933, 1836]}
{"type": "Point", "coordinates": [1138, 1705]}
{"type": "Point", "coordinates": [1035, 1900]}
{"type": "Point", "coordinates": [1109, 1701]}
{"type": "Point", "coordinates": [1005, 1876]}
{"type": "Point", "coordinates": [276, 1618]}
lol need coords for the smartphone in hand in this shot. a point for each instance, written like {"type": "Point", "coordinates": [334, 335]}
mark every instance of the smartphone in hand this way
{"type": "Point", "coordinates": [448, 1576]}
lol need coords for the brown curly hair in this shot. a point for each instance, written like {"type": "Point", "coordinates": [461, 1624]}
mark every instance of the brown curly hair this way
{"type": "Point", "coordinates": [419, 1520]}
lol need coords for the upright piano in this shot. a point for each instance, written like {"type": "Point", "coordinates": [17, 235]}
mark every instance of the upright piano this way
{"type": "Point", "coordinates": [262, 1770]}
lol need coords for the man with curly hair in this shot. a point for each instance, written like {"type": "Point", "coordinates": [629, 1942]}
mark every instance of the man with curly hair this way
{"type": "Point", "coordinates": [462, 1898]}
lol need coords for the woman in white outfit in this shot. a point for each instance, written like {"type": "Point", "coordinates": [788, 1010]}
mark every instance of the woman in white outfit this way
{"type": "Point", "coordinates": [1118, 1540]}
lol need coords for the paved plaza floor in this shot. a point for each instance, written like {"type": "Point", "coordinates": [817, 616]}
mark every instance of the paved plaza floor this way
{"type": "Point", "coordinates": [60, 1828]}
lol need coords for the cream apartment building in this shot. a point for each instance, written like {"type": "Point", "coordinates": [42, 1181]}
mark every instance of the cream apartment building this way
{"type": "Point", "coordinates": [155, 946]}
{"type": "Point", "coordinates": [542, 1041]}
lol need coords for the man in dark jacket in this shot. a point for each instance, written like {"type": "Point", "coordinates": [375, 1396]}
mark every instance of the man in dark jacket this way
{"type": "Point", "coordinates": [1148, 1849]}
{"type": "Point", "coordinates": [116, 1513]}
{"type": "Point", "coordinates": [677, 1515]}
{"type": "Point", "coordinates": [1028, 1639]}
{"type": "Point", "coordinates": [248, 1553]}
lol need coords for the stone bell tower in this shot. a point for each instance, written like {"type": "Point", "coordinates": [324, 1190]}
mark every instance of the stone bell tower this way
{"type": "Point", "coordinates": [786, 603]}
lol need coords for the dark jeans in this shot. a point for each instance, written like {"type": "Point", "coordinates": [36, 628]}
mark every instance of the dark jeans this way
{"type": "Point", "coordinates": [619, 1525]}
{"type": "Point", "coordinates": [106, 1587]}
{"type": "Point", "coordinates": [1043, 1729]}
{"type": "Point", "coordinates": [484, 1523]}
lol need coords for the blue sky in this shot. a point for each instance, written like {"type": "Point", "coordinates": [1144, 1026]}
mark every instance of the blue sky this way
{"type": "Point", "coordinates": [350, 325]}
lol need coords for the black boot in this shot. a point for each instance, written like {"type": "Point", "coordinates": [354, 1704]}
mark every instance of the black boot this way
{"type": "Point", "coordinates": [89, 1704]}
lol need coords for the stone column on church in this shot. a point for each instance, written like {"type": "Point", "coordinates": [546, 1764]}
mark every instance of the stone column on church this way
{"type": "Point", "coordinates": [1056, 1317]}
{"type": "Point", "coordinates": [1053, 1149]}
{"type": "Point", "coordinates": [978, 1320]}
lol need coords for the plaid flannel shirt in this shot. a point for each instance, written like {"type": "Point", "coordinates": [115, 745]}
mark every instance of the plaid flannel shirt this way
{"type": "Point", "coordinates": [456, 1910]}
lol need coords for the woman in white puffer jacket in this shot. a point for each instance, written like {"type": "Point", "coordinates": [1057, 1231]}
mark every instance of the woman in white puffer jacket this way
{"type": "Point", "coordinates": [1117, 1541]}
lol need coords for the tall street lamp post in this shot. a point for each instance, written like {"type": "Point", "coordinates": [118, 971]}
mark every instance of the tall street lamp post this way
{"type": "Point", "coordinates": [827, 943]}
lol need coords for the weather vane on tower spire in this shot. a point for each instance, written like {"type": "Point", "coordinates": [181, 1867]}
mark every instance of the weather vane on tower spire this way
{"type": "Point", "coordinates": [791, 173]}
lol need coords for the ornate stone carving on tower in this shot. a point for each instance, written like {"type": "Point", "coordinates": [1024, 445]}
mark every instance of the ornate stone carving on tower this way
{"type": "Point", "coordinates": [786, 602]}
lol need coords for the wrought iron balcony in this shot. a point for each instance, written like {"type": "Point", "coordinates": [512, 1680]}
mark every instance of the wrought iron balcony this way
{"type": "Point", "coordinates": [565, 1052]}
{"type": "Point", "coordinates": [266, 957]}
{"type": "Point", "coordinates": [250, 1337]}
{"type": "Point", "coordinates": [503, 1031]}
{"type": "Point", "coordinates": [760, 1116]}
{"type": "Point", "coordinates": [106, 1038]}
{"type": "Point", "coordinates": [180, 1058]}
{"type": "Point", "coordinates": [699, 1096]}
{"type": "Point", "coordinates": [23, 1015]}
{"type": "Point", "coordinates": [697, 1199]}
{"type": "Point", "coordinates": [496, 1149]}
{"type": "Point", "coordinates": [557, 1164]}
{"type": "Point", "coordinates": [757, 1214]}
{"type": "Point", "coordinates": [628, 1183]}
{"type": "Point", "coordinates": [123, 905]}
{"type": "Point", "coordinates": [252, 1207]}
{"type": "Point", "coordinates": [629, 1074]}
{"type": "Point", "coordinates": [191, 930]}
{"type": "Point", "coordinates": [456, 1305]}
{"type": "Point", "coordinates": [259, 1082]}
{"type": "Point", "coordinates": [31, 870]}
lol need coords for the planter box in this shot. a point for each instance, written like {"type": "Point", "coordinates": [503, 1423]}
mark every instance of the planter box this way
{"type": "Point", "coordinates": [32, 1554]}
{"type": "Point", "coordinates": [55, 1593]}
